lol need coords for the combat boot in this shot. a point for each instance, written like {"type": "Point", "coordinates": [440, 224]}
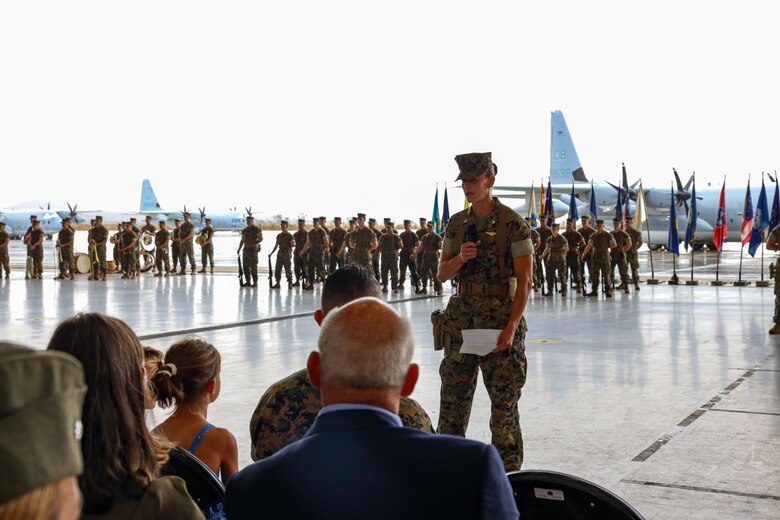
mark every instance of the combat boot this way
{"type": "Point", "coordinates": [395, 291]}
{"type": "Point", "coordinates": [309, 287]}
{"type": "Point", "coordinates": [775, 329]}
{"type": "Point", "coordinates": [203, 270]}
{"type": "Point", "coordinates": [384, 288]}
{"type": "Point", "coordinates": [158, 275]}
{"type": "Point", "coordinates": [58, 277]}
{"type": "Point", "coordinates": [563, 293]}
{"type": "Point", "coordinates": [194, 272]}
{"type": "Point", "coordinates": [296, 284]}
{"type": "Point", "coordinates": [400, 286]}
{"type": "Point", "coordinates": [636, 286]}
{"type": "Point", "coordinates": [592, 293]}
{"type": "Point", "coordinates": [183, 271]}
{"type": "Point", "coordinates": [276, 285]}
{"type": "Point", "coordinates": [212, 269]}
{"type": "Point", "coordinates": [577, 288]}
{"type": "Point", "coordinates": [167, 274]}
{"type": "Point", "coordinates": [608, 294]}
{"type": "Point", "coordinates": [625, 288]}
{"type": "Point", "coordinates": [289, 284]}
{"type": "Point", "coordinates": [423, 291]}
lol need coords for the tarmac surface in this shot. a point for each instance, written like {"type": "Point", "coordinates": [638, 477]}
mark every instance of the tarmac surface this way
{"type": "Point", "coordinates": [669, 396]}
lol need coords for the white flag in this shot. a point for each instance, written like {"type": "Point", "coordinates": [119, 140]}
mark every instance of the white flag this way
{"type": "Point", "coordinates": [640, 215]}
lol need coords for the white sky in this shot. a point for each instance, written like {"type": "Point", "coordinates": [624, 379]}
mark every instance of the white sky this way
{"type": "Point", "coordinates": [338, 107]}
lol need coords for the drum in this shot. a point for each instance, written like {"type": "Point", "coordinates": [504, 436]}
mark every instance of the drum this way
{"type": "Point", "coordinates": [81, 260]}
{"type": "Point", "coordinates": [147, 242]}
{"type": "Point", "coordinates": [111, 266]}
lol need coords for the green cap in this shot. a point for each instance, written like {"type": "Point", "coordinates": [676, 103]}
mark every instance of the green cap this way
{"type": "Point", "coordinates": [41, 398]}
{"type": "Point", "coordinates": [472, 165]}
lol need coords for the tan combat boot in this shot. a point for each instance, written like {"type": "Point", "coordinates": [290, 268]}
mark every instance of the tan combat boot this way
{"type": "Point", "coordinates": [775, 329]}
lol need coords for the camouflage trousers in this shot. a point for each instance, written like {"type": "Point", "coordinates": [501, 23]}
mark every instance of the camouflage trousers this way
{"type": "Point", "coordinates": [4, 263]}
{"type": "Point", "coordinates": [161, 259]}
{"type": "Point", "coordinates": [619, 260]}
{"type": "Point", "coordinates": [375, 265]}
{"type": "Point", "coordinates": [632, 257]}
{"type": "Point", "coordinates": [128, 261]}
{"type": "Point", "coordinates": [407, 260]}
{"type": "Point", "coordinates": [429, 267]}
{"type": "Point", "coordinates": [556, 271]}
{"type": "Point", "coordinates": [776, 317]}
{"type": "Point", "coordinates": [573, 266]}
{"type": "Point", "coordinates": [117, 258]}
{"type": "Point", "coordinates": [37, 256]}
{"type": "Point", "coordinates": [336, 261]}
{"type": "Point", "coordinates": [363, 259]}
{"type": "Point", "coordinates": [186, 251]}
{"type": "Point", "coordinates": [249, 261]}
{"type": "Point", "coordinates": [315, 265]}
{"type": "Point", "coordinates": [299, 264]}
{"type": "Point", "coordinates": [176, 254]}
{"type": "Point", "coordinates": [390, 264]}
{"type": "Point", "coordinates": [101, 256]}
{"type": "Point", "coordinates": [283, 262]}
{"type": "Point", "coordinates": [207, 254]}
{"type": "Point", "coordinates": [65, 257]}
{"type": "Point", "coordinates": [601, 266]}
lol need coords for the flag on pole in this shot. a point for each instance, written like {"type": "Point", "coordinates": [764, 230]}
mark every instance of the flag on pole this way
{"type": "Point", "coordinates": [541, 200]}
{"type": "Point", "coordinates": [721, 225]}
{"type": "Point", "coordinates": [532, 208]}
{"type": "Point", "coordinates": [760, 222]}
{"type": "Point", "coordinates": [573, 213]}
{"type": "Point", "coordinates": [690, 229]}
{"type": "Point", "coordinates": [435, 217]}
{"type": "Point", "coordinates": [775, 214]}
{"type": "Point", "coordinates": [594, 210]}
{"type": "Point", "coordinates": [641, 212]}
{"type": "Point", "coordinates": [548, 205]}
{"type": "Point", "coordinates": [619, 208]}
{"type": "Point", "coordinates": [446, 214]}
{"type": "Point", "coordinates": [626, 196]}
{"type": "Point", "coordinates": [673, 243]}
{"type": "Point", "coordinates": [747, 216]}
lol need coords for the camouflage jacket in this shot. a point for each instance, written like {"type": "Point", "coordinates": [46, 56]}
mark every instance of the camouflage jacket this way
{"type": "Point", "coordinates": [574, 238]}
{"type": "Point", "coordinates": [558, 247]}
{"type": "Point", "coordinates": [300, 237]}
{"type": "Point", "coordinates": [288, 408]}
{"type": "Point", "coordinates": [409, 241]}
{"type": "Point", "coordinates": [601, 243]}
{"type": "Point", "coordinates": [636, 239]}
{"type": "Point", "coordinates": [621, 239]}
{"type": "Point", "coordinates": [285, 242]}
{"type": "Point", "coordinates": [389, 244]}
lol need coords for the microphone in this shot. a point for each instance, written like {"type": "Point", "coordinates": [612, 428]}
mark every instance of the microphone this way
{"type": "Point", "coordinates": [471, 236]}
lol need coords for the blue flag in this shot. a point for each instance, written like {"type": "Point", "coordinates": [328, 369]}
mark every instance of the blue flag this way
{"type": "Point", "coordinates": [446, 214]}
{"type": "Point", "coordinates": [435, 217]}
{"type": "Point", "coordinates": [760, 222]}
{"type": "Point", "coordinates": [673, 244]}
{"type": "Point", "coordinates": [690, 229]}
{"type": "Point", "coordinates": [548, 206]}
{"type": "Point", "coordinates": [573, 213]}
{"type": "Point", "coordinates": [619, 206]}
{"type": "Point", "coordinates": [594, 210]}
{"type": "Point", "coordinates": [773, 219]}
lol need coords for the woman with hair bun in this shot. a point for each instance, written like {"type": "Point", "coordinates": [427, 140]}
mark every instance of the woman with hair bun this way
{"type": "Point", "coordinates": [189, 380]}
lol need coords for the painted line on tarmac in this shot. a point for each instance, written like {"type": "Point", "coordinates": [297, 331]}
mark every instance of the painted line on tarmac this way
{"type": "Point", "coordinates": [706, 407]}
{"type": "Point", "coordinates": [702, 489]}
{"type": "Point", "coordinates": [259, 321]}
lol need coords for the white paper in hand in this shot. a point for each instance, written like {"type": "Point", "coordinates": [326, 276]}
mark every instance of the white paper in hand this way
{"type": "Point", "coordinates": [479, 341]}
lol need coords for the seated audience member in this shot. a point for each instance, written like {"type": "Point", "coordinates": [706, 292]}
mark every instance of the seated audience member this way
{"type": "Point", "coordinates": [41, 395]}
{"type": "Point", "coordinates": [357, 461]}
{"type": "Point", "coordinates": [287, 409]}
{"type": "Point", "coordinates": [189, 379]}
{"type": "Point", "coordinates": [153, 358]}
{"type": "Point", "coordinates": [121, 458]}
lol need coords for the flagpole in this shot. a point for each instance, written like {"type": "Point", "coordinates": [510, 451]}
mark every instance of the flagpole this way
{"type": "Point", "coordinates": [717, 270]}
{"type": "Point", "coordinates": [674, 279]}
{"type": "Point", "coordinates": [739, 282]}
{"type": "Point", "coordinates": [652, 280]}
{"type": "Point", "coordinates": [720, 226]}
{"type": "Point", "coordinates": [762, 282]}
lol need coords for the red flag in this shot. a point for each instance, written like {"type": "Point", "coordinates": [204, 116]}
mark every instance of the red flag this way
{"type": "Point", "coordinates": [721, 225]}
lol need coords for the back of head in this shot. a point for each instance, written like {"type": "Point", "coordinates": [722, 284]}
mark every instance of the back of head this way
{"type": "Point", "coordinates": [365, 345]}
{"type": "Point", "coordinates": [189, 366]}
{"type": "Point", "coordinates": [347, 284]}
{"type": "Point", "coordinates": [117, 447]}
{"type": "Point", "coordinates": [41, 397]}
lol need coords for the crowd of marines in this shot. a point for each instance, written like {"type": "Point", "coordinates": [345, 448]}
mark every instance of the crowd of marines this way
{"type": "Point", "coordinates": [306, 256]}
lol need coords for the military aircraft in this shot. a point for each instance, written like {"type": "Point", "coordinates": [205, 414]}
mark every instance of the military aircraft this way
{"type": "Point", "coordinates": [17, 219]}
{"type": "Point", "coordinates": [566, 173]}
{"type": "Point", "coordinates": [224, 221]}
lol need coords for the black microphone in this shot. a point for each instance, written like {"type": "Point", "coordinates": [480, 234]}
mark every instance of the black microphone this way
{"type": "Point", "coordinates": [471, 236]}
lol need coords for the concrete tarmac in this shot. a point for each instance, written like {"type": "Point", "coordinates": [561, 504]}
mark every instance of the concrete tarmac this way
{"type": "Point", "coordinates": [669, 396]}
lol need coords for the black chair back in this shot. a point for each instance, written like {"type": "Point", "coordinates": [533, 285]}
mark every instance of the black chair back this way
{"type": "Point", "coordinates": [543, 495]}
{"type": "Point", "coordinates": [202, 484]}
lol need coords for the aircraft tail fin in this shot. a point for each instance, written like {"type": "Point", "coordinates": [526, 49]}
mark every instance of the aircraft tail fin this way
{"type": "Point", "coordinates": [148, 198]}
{"type": "Point", "coordinates": [564, 162]}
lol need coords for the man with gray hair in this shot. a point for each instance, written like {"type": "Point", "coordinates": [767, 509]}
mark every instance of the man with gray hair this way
{"type": "Point", "coordinates": [357, 461]}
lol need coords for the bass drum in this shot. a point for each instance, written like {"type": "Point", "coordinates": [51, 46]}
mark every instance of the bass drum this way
{"type": "Point", "coordinates": [81, 261]}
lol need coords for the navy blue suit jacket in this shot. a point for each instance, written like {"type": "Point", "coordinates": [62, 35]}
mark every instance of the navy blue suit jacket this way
{"type": "Point", "coordinates": [359, 464]}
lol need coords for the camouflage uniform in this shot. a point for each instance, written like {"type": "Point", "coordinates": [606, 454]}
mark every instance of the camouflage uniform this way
{"type": "Point", "coordinates": [316, 264]}
{"type": "Point", "coordinates": [252, 236]}
{"type": "Point", "coordinates": [536, 263]}
{"type": "Point", "coordinates": [632, 256]}
{"type": "Point", "coordinates": [37, 253]}
{"type": "Point", "coordinates": [337, 236]}
{"type": "Point", "coordinates": [619, 257]}
{"type": "Point", "coordinates": [175, 247]}
{"type": "Point", "coordinates": [375, 255]}
{"type": "Point", "coordinates": [185, 248]}
{"type": "Point", "coordinates": [544, 234]}
{"type": "Point", "coordinates": [389, 244]}
{"type": "Point", "coordinates": [207, 251]}
{"type": "Point", "coordinates": [299, 262]}
{"type": "Point", "coordinates": [409, 242]}
{"type": "Point", "coordinates": [4, 263]}
{"type": "Point", "coordinates": [574, 240]}
{"type": "Point", "coordinates": [504, 372]}
{"type": "Point", "coordinates": [347, 249]}
{"type": "Point", "coordinates": [556, 262]}
{"type": "Point", "coordinates": [774, 237]}
{"type": "Point", "coordinates": [284, 242]}
{"type": "Point", "coordinates": [100, 234]}
{"type": "Point", "coordinates": [361, 241]}
{"type": "Point", "coordinates": [429, 264]}
{"type": "Point", "coordinates": [600, 262]}
{"type": "Point", "coordinates": [587, 233]}
{"type": "Point", "coordinates": [128, 256]}
{"type": "Point", "coordinates": [65, 255]}
{"type": "Point", "coordinates": [161, 254]}
{"type": "Point", "coordinates": [117, 238]}
{"type": "Point", "coordinates": [288, 408]}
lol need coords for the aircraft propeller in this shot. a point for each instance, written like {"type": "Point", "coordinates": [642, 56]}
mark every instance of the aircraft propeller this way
{"type": "Point", "coordinates": [73, 213]}
{"type": "Point", "coordinates": [248, 211]}
{"type": "Point", "coordinates": [683, 195]}
{"type": "Point", "coordinates": [202, 213]}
